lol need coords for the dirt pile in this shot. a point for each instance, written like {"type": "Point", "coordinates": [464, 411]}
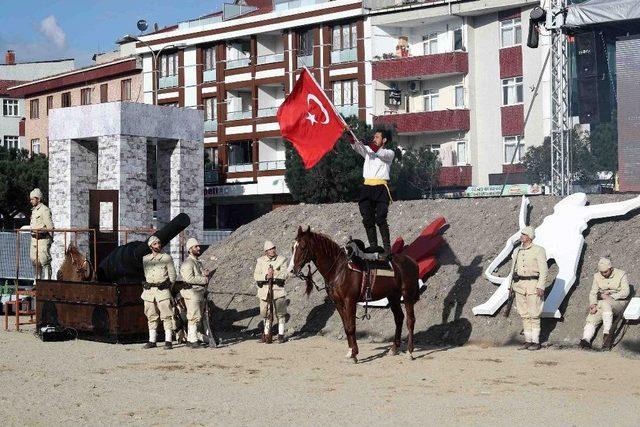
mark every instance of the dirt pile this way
{"type": "Point", "coordinates": [478, 230]}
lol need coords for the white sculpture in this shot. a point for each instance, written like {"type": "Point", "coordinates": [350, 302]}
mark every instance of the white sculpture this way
{"type": "Point", "coordinates": [560, 234]}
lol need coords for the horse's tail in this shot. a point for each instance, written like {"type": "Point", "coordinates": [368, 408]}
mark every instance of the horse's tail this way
{"type": "Point", "coordinates": [407, 269]}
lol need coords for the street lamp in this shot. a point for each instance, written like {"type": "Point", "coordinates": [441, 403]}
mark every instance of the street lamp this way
{"type": "Point", "coordinates": [154, 59]}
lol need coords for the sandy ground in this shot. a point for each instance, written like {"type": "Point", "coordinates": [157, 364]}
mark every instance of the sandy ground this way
{"type": "Point", "coordinates": [309, 382]}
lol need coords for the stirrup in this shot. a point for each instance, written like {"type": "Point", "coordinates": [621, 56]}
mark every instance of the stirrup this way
{"type": "Point", "coordinates": [373, 250]}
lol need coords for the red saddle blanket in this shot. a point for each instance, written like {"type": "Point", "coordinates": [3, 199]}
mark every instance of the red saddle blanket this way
{"type": "Point", "coordinates": [375, 279]}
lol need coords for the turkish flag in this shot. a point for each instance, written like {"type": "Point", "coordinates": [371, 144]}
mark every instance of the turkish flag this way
{"type": "Point", "coordinates": [308, 119]}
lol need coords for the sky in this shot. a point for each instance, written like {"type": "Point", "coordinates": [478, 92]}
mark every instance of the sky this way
{"type": "Point", "coordinates": [40, 30]}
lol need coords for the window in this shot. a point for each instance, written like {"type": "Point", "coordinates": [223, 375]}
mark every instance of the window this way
{"type": "Point", "coordinates": [49, 103]}
{"type": "Point", "coordinates": [10, 142]}
{"type": "Point", "coordinates": [210, 112]}
{"type": "Point", "coordinates": [510, 32]}
{"type": "Point", "coordinates": [211, 156]}
{"type": "Point", "coordinates": [169, 64]}
{"type": "Point", "coordinates": [459, 96]}
{"type": "Point", "coordinates": [345, 97]}
{"type": "Point", "coordinates": [34, 109]}
{"type": "Point", "coordinates": [10, 107]}
{"type": "Point", "coordinates": [512, 91]}
{"type": "Point", "coordinates": [344, 37]}
{"type": "Point", "coordinates": [125, 90]}
{"type": "Point", "coordinates": [210, 58]}
{"type": "Point", "coordinates": [104, 92]}
{"type": "Point", "coordinates": [513, 145]}
{"type": "Point", "coordinates": [35, 146]}
{"type": "Point", "coordinates": [65, 99]}
{"type": "Point", "coordinates": [85, 96]}
{"type": "Point", "coordinates": [430, 97]}
{"type": "Point", "coordinates": [430, 44]}
{"type": "Point", "coordinates": [461, 153]}
{"type": "Point", "coordinates": [305, 43]}
{"type": "Point", "coordinates": [457, 39]}
{"type": "Point", "coordinates": [240, 154]}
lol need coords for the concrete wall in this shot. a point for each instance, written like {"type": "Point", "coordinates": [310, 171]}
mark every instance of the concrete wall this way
{"type": "Point", "coordinates": [10, 125]}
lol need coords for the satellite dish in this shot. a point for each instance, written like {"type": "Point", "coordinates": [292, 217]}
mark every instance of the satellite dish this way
{"type": "Point", "coordinates": [142, 25]}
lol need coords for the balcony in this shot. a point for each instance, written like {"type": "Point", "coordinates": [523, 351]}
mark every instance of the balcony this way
{"type": "Point", "coordinates": [167, 81]}
{"type": "Point", "coordinates": [347, 110]}
{"type": "Point", "coordinates": [409, 67]}
{"type": "Point", "coordinates": [427, 121]}
{"type": "Point", "coordinates": [211, 175]}
{"type": "Point", "coordinates": [280, 5]}
{"type": "Point", "coordinates": [271, 165]}
{"type": "Point", "coordinates": [241, 167]}
{"type": "Point", "coordinates": [305, 60]}
{"type": "Point", "coordinates": [239, 115]}
{"type": "Point", "coordinates": [209, 75]}
{"type": "Point", "coordinates": [454, 176]}
{"type": "Point", "coordinates": [270, 59]}
{"type": "Point", "coordinates": [344, 55]}
{"type": "Point", "coordinates": [238, 63]}
{"type": "Point", "coordinates": [210, 125]}
{"type": "Point", "coordinates": [267, 111]}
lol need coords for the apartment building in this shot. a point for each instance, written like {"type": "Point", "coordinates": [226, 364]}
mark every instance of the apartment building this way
{"type": "Point", "coordinates": [115, 80]}
{"type": "Point", "coordinates": [238, 66]}
{"type": "Point", "coordinates": [13, 107]}
{"type": "Point", "coordinates": [457, 77]}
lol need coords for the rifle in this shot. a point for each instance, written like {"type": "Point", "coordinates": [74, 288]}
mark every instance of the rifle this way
{"type": "Point", "coordinates": [270, 301]}
{"type": "Point", "coordinates": [507, 310]}
{"type": "Point", "coordinates": [208, 330]}
{"type": "Point", "coordinates": [179, 308]}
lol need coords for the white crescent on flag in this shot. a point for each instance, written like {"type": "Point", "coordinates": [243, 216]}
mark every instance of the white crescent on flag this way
{"type": "Point", "coordinates": [312, 117]}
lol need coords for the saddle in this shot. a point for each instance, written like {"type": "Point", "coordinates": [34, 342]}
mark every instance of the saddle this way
{"type": "Point", "coordinates": [368, 262]}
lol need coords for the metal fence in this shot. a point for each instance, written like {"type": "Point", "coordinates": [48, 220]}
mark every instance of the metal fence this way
{"type": "Point", "coordinates": [213, 237]}
{"type": "Point", "coordinates": [8, 256]}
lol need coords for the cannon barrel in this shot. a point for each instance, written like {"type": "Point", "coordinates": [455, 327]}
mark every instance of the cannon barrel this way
{"type": "Point", "coordinates": [124, 264]}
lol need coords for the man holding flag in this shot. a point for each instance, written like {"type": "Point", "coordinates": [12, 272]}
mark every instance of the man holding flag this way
{"type": "Point", "coordinates": [309, 120]}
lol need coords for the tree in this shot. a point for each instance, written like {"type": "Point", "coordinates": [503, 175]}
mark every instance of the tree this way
{"type": "Point", "coordinates": [19, 174]}
{"type": "Point", "coordinates": [338, 176]}
{"type": "Point", "coordinates": [604, 144]}
{"type": "Point", "coordinates": [584, 165]}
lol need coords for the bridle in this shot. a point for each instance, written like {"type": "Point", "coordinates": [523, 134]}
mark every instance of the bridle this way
{"type": "Point", "coordinates": [308, 278]}
{"type": "Point", "coordinates": [81, 268]}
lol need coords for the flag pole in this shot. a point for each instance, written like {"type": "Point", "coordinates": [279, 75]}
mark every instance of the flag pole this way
{"type": "Point", "coordinates": [346, 125]}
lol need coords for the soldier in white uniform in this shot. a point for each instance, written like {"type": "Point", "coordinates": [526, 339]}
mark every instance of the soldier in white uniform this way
{"type": "Point", "coordinates": [160, 276]}
{"type": "Point", "coordinates": [195, 279]}
{"type": "Point", "coordinates": [40, 241]}
{"type": "Point", "coordinates": [272, 266]}
{"type": "Point", "coordinates": [608, 297]}
{"type": "Point", "coordinates": [528, 281]}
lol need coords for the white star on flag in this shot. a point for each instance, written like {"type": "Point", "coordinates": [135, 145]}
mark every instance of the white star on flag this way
{"type": "Point", "coordinates": [311, 118]}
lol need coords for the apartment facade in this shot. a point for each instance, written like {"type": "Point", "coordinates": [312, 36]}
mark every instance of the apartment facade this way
{"type": "Point", "coordinates": [457, 77]}
{"type": "Point", "coordinates": [238, 66]}
{"type": "Point", "coordinates": [117, 80]}
{"type": "Point", "coordinates": [13, 107]}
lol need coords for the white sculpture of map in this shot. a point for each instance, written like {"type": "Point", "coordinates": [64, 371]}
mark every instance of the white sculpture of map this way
{"type": "Point", "coordinates": [560, 234]}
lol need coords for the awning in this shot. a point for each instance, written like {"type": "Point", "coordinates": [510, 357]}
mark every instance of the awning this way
{"type": "Point", "coordinates": [594, 12]}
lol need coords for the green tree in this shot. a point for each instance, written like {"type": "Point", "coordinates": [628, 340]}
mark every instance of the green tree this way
{"type": "Point", "coordinates": [19, 174]}
{"type": "Point", "coordinates": [604, 144]}
{"type": "Point", "coordinates": [338, 176]}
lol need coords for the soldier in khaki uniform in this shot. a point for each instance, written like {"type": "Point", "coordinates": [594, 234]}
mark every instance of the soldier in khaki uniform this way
{"type": "Point", "coordinates": [271, 266]}
{"type": "Point", "coordinates": [160, 276]}
{"type": "Point", "coordinates": [195, 279]}
{"type": "Point", "coordinates": [608, 297]}
{"type": "Point", "coordinates": [528, 281]}
{"type": "Point", "coordinates": [41, 241]}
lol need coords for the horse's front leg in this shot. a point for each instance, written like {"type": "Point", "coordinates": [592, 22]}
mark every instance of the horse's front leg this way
{"type": "Point", "coordinates": [341, 312]}
{"type": "Point", "coordinates": [350, 327]}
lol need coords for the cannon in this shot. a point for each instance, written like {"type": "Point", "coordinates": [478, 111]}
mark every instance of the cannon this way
{"type": "Point", "coordinates": [124, 264]}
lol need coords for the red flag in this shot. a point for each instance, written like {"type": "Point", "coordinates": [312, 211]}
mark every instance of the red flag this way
{"type": "Point", "coordinates": [308, 119]}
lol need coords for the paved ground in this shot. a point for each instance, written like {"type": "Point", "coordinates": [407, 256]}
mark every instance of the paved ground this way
{"type": "Point", "coordinates": [309, 382]}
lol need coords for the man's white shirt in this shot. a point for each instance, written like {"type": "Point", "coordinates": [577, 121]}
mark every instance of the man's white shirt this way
{"type": "Point", "coordinates": [377, 165]}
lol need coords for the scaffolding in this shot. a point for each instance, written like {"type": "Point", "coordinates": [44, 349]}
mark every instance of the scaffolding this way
{"type": "Point", "coordinates": [560, 101]}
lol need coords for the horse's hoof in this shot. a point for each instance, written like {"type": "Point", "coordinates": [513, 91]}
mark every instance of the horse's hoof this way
{"type": "Point", "coordinates": [410, 356]}
{"type": "Point", "coordinates": [355, 360]}
{"type": "Point", "coordinates": [349, 354]}
{"type": "Point", "coordinates": [394, 351]}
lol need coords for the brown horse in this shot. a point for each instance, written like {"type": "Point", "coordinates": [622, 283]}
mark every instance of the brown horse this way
{"type": "Point", "coordinates": [75, 267]}
{"type": "Point", "coordinates": [344, 284]}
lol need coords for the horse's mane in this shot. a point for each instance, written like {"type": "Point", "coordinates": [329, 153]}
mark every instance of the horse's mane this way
{"type": "Point", "coordinates": [326, 244]}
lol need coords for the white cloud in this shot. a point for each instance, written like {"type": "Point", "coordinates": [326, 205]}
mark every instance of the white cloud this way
{"type": "Point", "coordinates": [50, 28]}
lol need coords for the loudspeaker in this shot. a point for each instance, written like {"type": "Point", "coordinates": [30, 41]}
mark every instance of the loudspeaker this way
{"type": "Point", "coordinates": [594, 99]}
{"type": "Point", "coordinates": [594, 92]}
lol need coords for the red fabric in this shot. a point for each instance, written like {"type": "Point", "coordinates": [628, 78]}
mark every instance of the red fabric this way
{"type": "Point", "coordinates": [307, 119]}
{"type": "Point", "coordinates": [374, 147]}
